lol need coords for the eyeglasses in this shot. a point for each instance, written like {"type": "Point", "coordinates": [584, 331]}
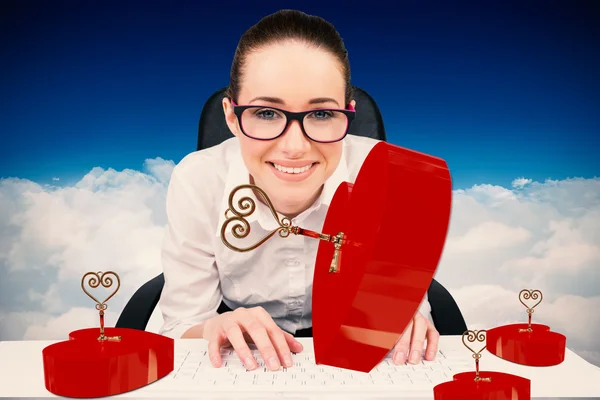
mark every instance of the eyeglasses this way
{"type": "Point", "coordinates": [322, 125]}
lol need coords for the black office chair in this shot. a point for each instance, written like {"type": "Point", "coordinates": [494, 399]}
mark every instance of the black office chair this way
{"type": "Point", "coordinates": [213, 130]}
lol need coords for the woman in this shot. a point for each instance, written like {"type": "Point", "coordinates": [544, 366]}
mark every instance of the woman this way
{"type": "Point", "coordinates": [288, 62]}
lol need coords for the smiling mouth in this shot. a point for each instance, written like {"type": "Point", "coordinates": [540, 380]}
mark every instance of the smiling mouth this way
{"type": "Point", "coordinates": [292, 171]}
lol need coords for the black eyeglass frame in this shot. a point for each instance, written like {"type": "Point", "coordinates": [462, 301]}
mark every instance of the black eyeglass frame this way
{"type": "Point", "coordinates": [294, 116]}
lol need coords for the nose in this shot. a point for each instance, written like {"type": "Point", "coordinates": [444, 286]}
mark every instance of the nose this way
{"type": "Point", "coordinates": [293, 143]}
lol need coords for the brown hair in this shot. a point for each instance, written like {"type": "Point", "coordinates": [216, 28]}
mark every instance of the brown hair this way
{"type": "Point", "coordinates": [289, 25]}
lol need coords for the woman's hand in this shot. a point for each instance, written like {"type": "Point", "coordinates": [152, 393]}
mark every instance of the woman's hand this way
{"type": "Point", "coordinates": [250, 325]}
{"type": "Point", "coordinates": [412, 341]}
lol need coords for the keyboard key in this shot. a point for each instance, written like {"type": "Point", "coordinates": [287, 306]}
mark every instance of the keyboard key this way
{"type": "Point", "coordinates": [263, 382]}
{"type": "Point", "coordinates": [382, 379]}
{"type": "Point", "coordinates": [185, 374]}
{"type": "Point", "coordinates": [224, 383]}
{"type": "Point", "coordinates": [244, 379]}
{"type": "Point", "coordinates": [293, 383]}
{"type": "Point", "coordinates": [438, 378]}
{"type": "Point", "coordinates": [401, 379]}
{"type": "Point", "coordinates": [383, 383]}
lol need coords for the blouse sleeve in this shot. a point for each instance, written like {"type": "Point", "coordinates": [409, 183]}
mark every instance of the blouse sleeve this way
{"type": "Point", "coordinates": [191, 293]}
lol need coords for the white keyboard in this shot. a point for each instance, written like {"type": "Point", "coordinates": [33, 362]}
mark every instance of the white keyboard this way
{"type": "Point", "coordinates": [193, 371]}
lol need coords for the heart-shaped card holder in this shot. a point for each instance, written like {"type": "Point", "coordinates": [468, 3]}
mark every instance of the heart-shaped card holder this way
{"type": "Point", "coordinates": [527, 344]}
{"type": "Point", "coordinates": [482, 385]}
{"type": "Point", "coordinates": [107, 361]}
{"type": "Point", "coordinates": [384, 236]}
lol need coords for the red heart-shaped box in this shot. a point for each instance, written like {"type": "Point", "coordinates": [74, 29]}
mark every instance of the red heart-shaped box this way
{"type": "Point", "coordinates": [501, 387]}
{"type": "Point", "coordinates": [395, 219]}
{"type": "Point", "coordinates": [84, 367]}
{"type": "Point", "coordinates": [539, 348]}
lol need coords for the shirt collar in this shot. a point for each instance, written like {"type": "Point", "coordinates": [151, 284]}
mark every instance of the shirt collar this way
{"type": "Point", "coordinates": [238, 174]}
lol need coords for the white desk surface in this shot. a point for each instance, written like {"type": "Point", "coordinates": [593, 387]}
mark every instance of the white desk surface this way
{"type": "Point", "coordinates": [22, 375]}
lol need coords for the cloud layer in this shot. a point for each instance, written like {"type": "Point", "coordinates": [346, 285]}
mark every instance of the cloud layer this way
{"type": "Point", "coordinates": [50, 236]}
{"type": "Point", "coordinates": [537, 235]}
{"type": "Point", "coordinates": [534, 235]}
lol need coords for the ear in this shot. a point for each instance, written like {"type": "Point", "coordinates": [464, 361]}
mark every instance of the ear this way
{"type": "Point", "coordinates": [353, 102]}
{"type": "Point", "coordinates": [230, 117]}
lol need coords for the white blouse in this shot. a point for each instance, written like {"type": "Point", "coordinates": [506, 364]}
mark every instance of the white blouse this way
{"type": "Point", "coordinates": [200, 271]}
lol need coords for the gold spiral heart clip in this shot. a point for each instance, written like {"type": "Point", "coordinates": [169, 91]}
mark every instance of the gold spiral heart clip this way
{"type": "Point", "coordinates": [241, 230]}
{"type": "Point", "coordinates": [528, 294]}
{"type": "Point", "coordinates": [97, 279]}
{"type": "Point", "coordinates": [473, 336]}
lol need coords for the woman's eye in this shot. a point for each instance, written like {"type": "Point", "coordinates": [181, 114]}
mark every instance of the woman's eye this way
{"type": "Point", "coordinates": [267, 114]}
{"type": "Point", "coordinates": [322, 114]}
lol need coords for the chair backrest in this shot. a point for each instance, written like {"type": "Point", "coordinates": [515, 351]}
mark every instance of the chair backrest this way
{"type": "Point", "coordinates": [212, 129]}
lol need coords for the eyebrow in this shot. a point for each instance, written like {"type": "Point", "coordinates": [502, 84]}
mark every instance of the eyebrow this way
{"type": "Point", "coordinates": [277, 100]}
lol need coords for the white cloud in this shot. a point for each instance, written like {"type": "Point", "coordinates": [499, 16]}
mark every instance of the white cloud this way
{"type": "Point", "coordinates": [538, 235]}
{"type": "Point", "coordinates": [490, 194]}
{"type": "Point", "coordinates": [525, 237]}
{"type": "Point", "coordinates": [159, 168]}
{"type": "Point", "coordinates": [486, 236]}
{"type": "Point", "coordinates": [520, 182]}
{"type": "Point", "coordinates": [13, 325]}
{"type": "Point", "coordinates": [58, 328]}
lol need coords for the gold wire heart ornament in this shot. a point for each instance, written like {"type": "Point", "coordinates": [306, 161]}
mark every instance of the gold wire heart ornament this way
{"type": "Point", "coordinates": [96, 279]}
{"type": "Point", "coordinates": [473, 336]}
{"type": "Point", "coordinates": [104, 279]}
{"type": "Point", "coordinates": [527, 294]}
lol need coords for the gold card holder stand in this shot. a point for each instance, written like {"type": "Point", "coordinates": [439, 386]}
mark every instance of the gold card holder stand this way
{"type": "Point", "coordinates": [96, 279]}
{"type": "Point", "coordinates": [528, 344]}
{"type": "Point", "coordinates": [482, 385]}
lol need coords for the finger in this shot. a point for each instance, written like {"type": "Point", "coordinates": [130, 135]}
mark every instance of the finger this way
{"type": "Point", "coordinates": [277, 337]}
{"type": "Point", "coordinates": [433, 337]}
{"type": "Point", "coordinates": [418, 338]}
{"type": "Point", "coordinates": [295, 345]}
{"type": "Point", "coordinates": [401, 348]}
{"type": "Point", "coordinates": [236, 338]}
{"type": "Point", "coordinates": [214, 349]}
{"type": "Point", "coordinates": [257, 331]}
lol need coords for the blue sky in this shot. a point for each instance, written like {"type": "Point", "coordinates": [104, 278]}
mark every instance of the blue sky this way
{"type": "Point", "coordinates": [499, 91]}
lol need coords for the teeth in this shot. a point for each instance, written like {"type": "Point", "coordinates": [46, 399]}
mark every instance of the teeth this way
{"type": "Point", "coordinates": [292, 170]}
